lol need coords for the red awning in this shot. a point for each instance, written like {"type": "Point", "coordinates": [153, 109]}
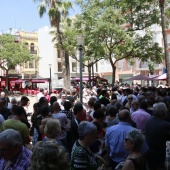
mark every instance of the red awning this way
{"type": "Point", "coordinates": [39, 80]}
{"type": "Point", "coordinates": [19, 81]}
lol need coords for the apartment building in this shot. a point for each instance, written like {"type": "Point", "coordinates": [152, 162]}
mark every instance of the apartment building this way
{"type": "Point", "coordinates": [30, 69]}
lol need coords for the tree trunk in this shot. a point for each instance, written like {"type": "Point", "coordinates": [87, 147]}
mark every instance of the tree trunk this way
{"type": "Point", "coordinates": [64, 61]}
{"type": "Point", "coordinates": [113, 69]}
{"type": "Point", "coordinates": [89, 72]}
{"type": "Point", "coordinates": [167, 62]}
{"type": "Point", "coordinates": [113, 75]}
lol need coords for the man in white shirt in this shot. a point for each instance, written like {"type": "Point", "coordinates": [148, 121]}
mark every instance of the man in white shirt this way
{"type": "Point", "coordinates": [40, 94]}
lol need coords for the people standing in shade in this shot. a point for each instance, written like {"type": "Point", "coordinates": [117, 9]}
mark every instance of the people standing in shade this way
{"type": "Point", "coordinates": [78, 112]}
{"type": "Point", "coordinates": [157, 132]}
{"type": "Point", "coordinates": [48, 155]}
{"type": "Point", "coordinates": [140, 116]}
{"type": "Point", "coordinates": [82, 158]}
{"type": "Point", "coordinates": [115, 136]}
{"type": "Point", "coordinates": [135, 159]}
{"type": "Point", "coordinates": [112, 118]}
{"type": "Point", "coordinates": [57, 114]}
{"type": "Point", "coordinates": [14, 156]}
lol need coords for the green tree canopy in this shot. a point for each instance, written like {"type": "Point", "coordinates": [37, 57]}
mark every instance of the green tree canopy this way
{"type": "Point", "coordinates": [12, 53]}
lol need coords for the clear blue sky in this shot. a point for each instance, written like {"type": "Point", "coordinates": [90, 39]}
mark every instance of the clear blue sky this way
{"type": "Point", "coordinates": [23, 15]}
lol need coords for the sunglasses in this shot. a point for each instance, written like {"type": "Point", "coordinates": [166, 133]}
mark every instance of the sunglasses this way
{"type": "Point", "coordinates": [130, 98]}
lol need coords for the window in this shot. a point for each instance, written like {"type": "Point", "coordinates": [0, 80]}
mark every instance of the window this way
{"type": "Point", "coordinates": [59, 67]}
{"type": "Point", "coordinates": [31, 64]}
{"type": "Point", "coordinates": [74, 68]}
{"type": "Point", "coordinates": [120, 64]}
{"type": "Point", "coordinates": [58, 53]}
{"type": "Point", "coordinates": [144, 64]}
{"type": "Point", "coordinates": [26, 44]}
{"type": "Point", "coordinates": [32, 47]}
{"type": "Point", "coordinates": [26, 64]}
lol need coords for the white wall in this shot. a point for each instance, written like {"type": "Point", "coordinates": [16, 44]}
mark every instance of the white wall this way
{"type": "Point", "coordinates": [46, 53]}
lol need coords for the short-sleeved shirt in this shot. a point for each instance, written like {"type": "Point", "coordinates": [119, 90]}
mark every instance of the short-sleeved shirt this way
{"type": "Point", "coordinates": [115, 136]}
{"type": "Point", "coordinates": [16, 125]}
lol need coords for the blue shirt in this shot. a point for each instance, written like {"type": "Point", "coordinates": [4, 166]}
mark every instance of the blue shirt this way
{"type": "Point", "coordinates": [115, 136]}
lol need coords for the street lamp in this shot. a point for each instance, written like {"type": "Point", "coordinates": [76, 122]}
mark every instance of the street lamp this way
{"type": "Point", "coordinates": [80, 40]}
{"type": "Point", "coordinates": [50, 85]}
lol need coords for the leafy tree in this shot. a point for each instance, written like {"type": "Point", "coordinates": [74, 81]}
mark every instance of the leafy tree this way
{"type": "Point", "coordinates": [56, 11]}
{"type": "Point", "coordinates": [12, 53]}
{"type": "Point", "coordinates": [115, 26]}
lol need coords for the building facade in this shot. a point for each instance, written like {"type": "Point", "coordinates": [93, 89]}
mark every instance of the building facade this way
{"type": "Point", "coordinates": [30, 69]}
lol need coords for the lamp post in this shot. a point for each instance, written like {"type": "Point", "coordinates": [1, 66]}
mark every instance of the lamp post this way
{"type": "Point", "coordinates": [80, 40]}
{"type": "Point", "coordinates": [50, 85]}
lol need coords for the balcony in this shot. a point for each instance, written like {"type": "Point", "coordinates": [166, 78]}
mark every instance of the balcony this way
{"type": "Point", "coordinates": [33, 51]}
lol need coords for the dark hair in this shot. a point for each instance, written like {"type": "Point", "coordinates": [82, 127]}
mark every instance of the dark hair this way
{"type": "Point", "coordinates": [98, 114]}
{"type": "Point", "coordinates": [97, 106]}
{"type": "Point", "coordinates": [42, 100]}
{"type": "Point", "coordinates": [25, 98]}
{"type": "Point", "coordinates": [143, 105]}
{"type": "Point", "coordinates": [77, 108]}
{"type": "Point", "coordinates": [53, 99]}
{"type": "Point", "coordinates": [104, 92]}
{"type": "Point", "coordinates": [18, 110]}
{"type": "Point", "coordinates": [45, 110]}
{"type": "Point", "coordinates": [41, 89]}
{"type": "Point", "coordinates": [118, 105]}
{"type": "Point", "coordinates": [67, 105]}
{"type": "Point", "coordinates": [112, 111]}
{"type": "Point", "coordinates": [99, 91]}
{"type": "Point", "coordinates": [91, 103]}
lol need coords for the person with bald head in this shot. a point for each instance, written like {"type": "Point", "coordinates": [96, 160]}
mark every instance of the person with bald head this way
{"type": "Point", "coordinates": [115, 136]}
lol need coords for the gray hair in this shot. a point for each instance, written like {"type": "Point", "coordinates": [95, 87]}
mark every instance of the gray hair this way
{"type": "Point", "coordinates": [86, 128]}
{"type": "Point", "coordinates": [13, 100]}
{"type": "Point", "coordinates": [11, 136]}
{"type": "Point", "coordinates": [52, 128]}
{"type": "Point", "coordinates": [160, 109]}
{"type": "Point", "coordinates": [136, 137]}
{"type": "Point", "coordinates": [48, 155]}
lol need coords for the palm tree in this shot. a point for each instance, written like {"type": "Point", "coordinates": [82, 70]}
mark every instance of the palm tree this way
{"type": "Point", "coordinates": [57, 10]}
{"type": "Point", "coordinates": [167, 60]}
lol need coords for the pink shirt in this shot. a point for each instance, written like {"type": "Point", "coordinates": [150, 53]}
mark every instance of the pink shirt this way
{"type": "Point", "coordinates": [140, 117]}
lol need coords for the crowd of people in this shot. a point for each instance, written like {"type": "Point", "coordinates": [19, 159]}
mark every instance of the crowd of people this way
{"type": "Point", "coordinates": [117, 127]}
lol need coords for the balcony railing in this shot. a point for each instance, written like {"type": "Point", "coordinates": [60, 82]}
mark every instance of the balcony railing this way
{"type": "Point", "coordinates": [33, 51]}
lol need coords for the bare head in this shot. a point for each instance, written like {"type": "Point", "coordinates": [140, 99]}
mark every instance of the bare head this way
{"type": "Point", "coordinates": [124, 115]}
